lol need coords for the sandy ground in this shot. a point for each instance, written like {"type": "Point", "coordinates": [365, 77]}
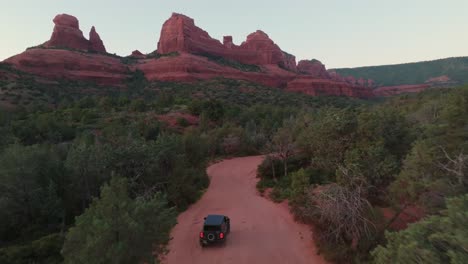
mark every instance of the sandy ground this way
{"type": "Point", "coordinates": [261, 231]}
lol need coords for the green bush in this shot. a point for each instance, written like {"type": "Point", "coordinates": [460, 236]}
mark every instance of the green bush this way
{"type": "Point", "coordinates": [281, 190]}
{"type": "Point", "coordinates": [182, 122]}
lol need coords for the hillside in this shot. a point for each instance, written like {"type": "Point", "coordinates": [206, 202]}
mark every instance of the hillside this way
{"type": "Point", "coordinates": [100, 151]}
{"type": "Point", "coordinates": [449, 71]}
{"type": "Point", "coordinates": [185, 53]}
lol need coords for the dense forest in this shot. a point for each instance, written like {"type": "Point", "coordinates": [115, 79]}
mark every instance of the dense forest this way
{"type": "Point", "coordinates": [80, 164]}
{"type": "Point", "coordinates": [412, 73]}
{"type": "Point", "coordinates": [344, 169]}
{"type": "Point", "coordinates": [84, 168]}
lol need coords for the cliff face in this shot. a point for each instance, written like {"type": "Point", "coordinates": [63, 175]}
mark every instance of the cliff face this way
{"type": "Point", "coordinates": [59, 64]}
{"type": "Point", "coordinates": [399, 89]}
{"type": "Point", "coordinates": [194, 55]}
{"type": "Point", "coordinates": [95, 42]}
{"type": "Point", "coordinates": [67, 34]}
{"type": "Point", "coordinates": [313, 68]}
{"type": "Point", "coordinates": [180, 34]}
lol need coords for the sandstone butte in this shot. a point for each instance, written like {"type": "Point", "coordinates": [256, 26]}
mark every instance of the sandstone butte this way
{"type": "Point", "coordinates": [195, 56]}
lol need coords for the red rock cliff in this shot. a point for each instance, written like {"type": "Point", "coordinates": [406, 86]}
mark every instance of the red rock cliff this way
{"type": "Point", "coordinates": [59, 63]}
{"type": "Point", "coordinates": [275, 67]}
{"type": "Point", "coordinates": [179, 33]}
{"type": "Point", "coordinates": [314, 68]}
{"type": "Point", "coordinates": [95, 42]}
{"type": "Point", "coordinates": [67, 34]}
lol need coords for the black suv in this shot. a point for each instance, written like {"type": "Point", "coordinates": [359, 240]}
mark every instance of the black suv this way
{"type": "Point", "coordinates": [215, 229]}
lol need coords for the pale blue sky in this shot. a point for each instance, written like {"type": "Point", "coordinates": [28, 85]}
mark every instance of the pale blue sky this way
{"type": "Point", "coordinates": [339, 33]}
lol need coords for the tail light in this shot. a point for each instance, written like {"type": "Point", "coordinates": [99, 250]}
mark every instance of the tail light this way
{"type": "Point", "coordinates": [221, 235]}
{"type": "Point", "coordinates": [202, 235]}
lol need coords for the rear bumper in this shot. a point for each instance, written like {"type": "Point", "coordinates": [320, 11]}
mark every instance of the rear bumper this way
{"type": "Point", "coordinates": [207, 242]}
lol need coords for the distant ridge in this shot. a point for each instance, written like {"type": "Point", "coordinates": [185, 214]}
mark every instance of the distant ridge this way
{"type": "Point", "coordinates": [441, 72]}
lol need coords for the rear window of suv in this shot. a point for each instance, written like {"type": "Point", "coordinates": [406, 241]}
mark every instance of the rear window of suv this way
{"type": "Point", "coordinates": [211, 228]}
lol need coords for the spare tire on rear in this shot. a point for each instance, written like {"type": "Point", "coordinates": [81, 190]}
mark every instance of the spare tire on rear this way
{"type": "Point", "coordinates": [211, 237]}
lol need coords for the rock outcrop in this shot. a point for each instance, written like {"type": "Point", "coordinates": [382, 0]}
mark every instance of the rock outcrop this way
{"type": "Point", "coordinates": [180, 34]}
{"type": "Point", "coordinates": [137, 54]}
{"type": "Point", "coordinates": [313, 86]}
{"type": "Point", "coordinates": [95, 42]}
{"type": "Point", "coordinates": [65, 64]}
{"type": "Point", "coordinates": [314, 68]}
{"type": "Point", "coordinates": [399, 89]}
{"type": "Point", "coordinates": [67, 34]}
{"type": "Point", "coordinates": [434, 82]}
{"type": "Point", "coordinates": [195, 56]}
{"type": "Point", "coordinates": [188, 67]}
{"type": "Point", "coordinates": [439, 79]}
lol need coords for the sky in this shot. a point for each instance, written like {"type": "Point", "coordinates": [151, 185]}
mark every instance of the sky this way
{"type": "Point", "coordinates": [344, 33]}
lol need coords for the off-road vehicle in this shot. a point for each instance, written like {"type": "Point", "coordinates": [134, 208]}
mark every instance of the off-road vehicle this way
{"type": "Point", "coordinates": [215, 229]}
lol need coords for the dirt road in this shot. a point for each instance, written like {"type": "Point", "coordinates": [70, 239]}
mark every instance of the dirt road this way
{"type": "Point", "coordinates": [262, 232]}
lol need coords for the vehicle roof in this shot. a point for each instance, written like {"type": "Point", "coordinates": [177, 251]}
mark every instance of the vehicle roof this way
{"type": "Point", "coordinates": [214, 220]}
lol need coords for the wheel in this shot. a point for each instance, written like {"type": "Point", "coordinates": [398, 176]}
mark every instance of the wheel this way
{"type": "Point", "coordinates": [211, 237]}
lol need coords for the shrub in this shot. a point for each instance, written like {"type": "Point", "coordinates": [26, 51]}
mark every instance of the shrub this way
{"type": "Point", "coordinates": [182, 122]}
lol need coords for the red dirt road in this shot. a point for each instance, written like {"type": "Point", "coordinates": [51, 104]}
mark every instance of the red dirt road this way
{"type": "Point", "coordinates": [262, 232]}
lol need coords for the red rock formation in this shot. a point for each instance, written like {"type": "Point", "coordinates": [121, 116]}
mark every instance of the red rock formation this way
{"type": "Point", "coordinates": [399, 89]}
{"type": "Point", "coordinates": [57, 64]}
{"type": "Point", "coordinates": [137, 54]}
{"type": "Point", "coordinates": [267, 51]}
{"type": "Point", "coordinates": [227, 42]}
{"type": "Point", "coordinates": [313, 86]}
{"type": "Point", "coordinates": [439, 79]}
{"type": "Point", "coordinates": [179, 33]}
{"type": "Point", "coordinates": [67, 34]}
{"type": "Point", "coordinates": [335, 76]}
{"type": "Point", "coordinates": [350, 79]}
{"type": "Point", "coordinates": [314, 68]}
{"type": "Point", "coordinates": [95, 42]}
{"type": "Point", "coordinates": [188, 67]}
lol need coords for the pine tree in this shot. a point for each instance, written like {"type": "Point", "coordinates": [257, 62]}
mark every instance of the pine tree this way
{"type": "Point", "coordinates": [438, 239]}
{"type": "Point", "coordinates": [118, 229]}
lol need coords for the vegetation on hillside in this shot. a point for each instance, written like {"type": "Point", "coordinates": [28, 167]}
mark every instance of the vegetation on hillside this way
{"type": "Point", "coordinates": [231, 63]}
{"type": "Point", "coordinates": [412, 73]}
{"type": "Point", "coordinates": [76, 150]}
{"type": "Point", "coordinates": [82, 165]}
{"type": "Point", "coordinates": [346, 166]}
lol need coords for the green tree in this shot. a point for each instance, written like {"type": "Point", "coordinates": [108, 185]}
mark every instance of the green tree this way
{"type": "Point", "coordinates": [31, 186]}
{"type": "Point", "coordinates": [299, 186]}
{"type": "Point", "coordinates": [86, 164]}
{"type": "Point", "coordinates": [327, 135]}
{"type": "Point", "coordinates": [213, 109]}
{"type": "Point", "coordinates": [283, 144]}
{"type": "Point", "coordinates": [128, 229]}
{"type": "Point", "coordinates": [437, 239]}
